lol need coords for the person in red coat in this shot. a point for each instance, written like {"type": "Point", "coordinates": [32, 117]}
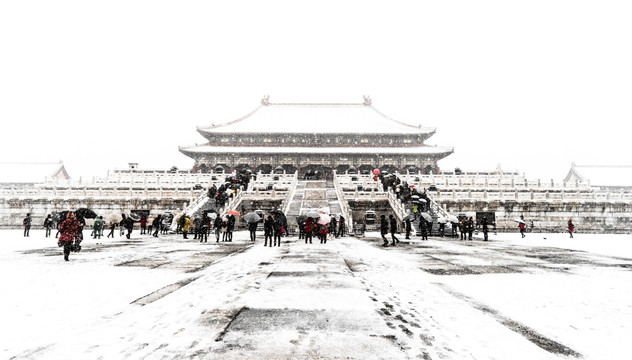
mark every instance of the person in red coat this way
{"type": "Point", "coordinates": [69, 230]}
{"type": "Point", "coordinates": [522, 228]}
{"type": "Point", "coordinates": [571, 227]}
{"type": "Point", "coordinates": [309, 228]}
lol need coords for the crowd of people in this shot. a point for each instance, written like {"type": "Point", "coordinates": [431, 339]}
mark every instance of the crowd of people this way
{"type": "Point", "coordinates": [310, 227]}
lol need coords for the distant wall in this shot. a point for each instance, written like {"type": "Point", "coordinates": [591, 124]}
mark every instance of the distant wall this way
{"type": "Point", "coordinates": [593, 217]}
{"type": "Point", "coordinates": [12, 211]}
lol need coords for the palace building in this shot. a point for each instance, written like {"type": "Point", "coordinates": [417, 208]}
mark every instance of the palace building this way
{"type": "Point", "coordinates": [311, 137]}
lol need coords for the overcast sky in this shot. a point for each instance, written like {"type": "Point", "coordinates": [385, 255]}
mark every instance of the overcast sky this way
{"type": "Point", "coordinates": [531, 85]}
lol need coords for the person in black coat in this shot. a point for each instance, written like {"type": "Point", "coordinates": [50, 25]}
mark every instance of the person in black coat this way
{"type": "Point", "coordinates": [341, 226]}
{"type": "Point", "coordinates": [423, 227]}
{"type": "Point", "coordinates": [393, 221]}
{"type": "Point", "coordinates": [383, 229]}
{"type": "Point", "coordinates": [218, 227]}
{"type": "Point", "coordinates": [252, 227]}
{"type": "Point", "coordinates": [470, 227]}
{"type": "Point", "coordinates": [485, 228]}
{"type": "Point", "coordinates": [268, 230]}
{"type": "Point", "coordinates": [156, 224]}
{"type": "Point", "coordinates": [278, 230]}
{"type": "Point", "coordinates": [231, 227]}
{"type": "Point", "coordinates": [409, 228]}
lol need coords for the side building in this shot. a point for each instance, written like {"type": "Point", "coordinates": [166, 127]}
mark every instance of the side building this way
{"type": "Point", "coordinates": [316, 137]}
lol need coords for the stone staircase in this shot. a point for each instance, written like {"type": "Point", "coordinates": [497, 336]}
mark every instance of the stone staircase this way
{"type": "Point", "coordinates": [316, 195]}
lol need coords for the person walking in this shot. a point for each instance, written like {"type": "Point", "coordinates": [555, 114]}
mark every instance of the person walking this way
{"type": "Point", "coordinates": [268, 230]}
{"type": "Point", "coordinates": [423, 227]}
{"type": "Point", "coordinates": [441, 228]}
{"type": "Point", "coordinates": [324, 230]}
{"type": "Point", "coordinates": [156, 224]}
{"type": "Point", "coordinates": [48, 225]}
{"type": "Point", "coordinates": [231, 226]}
{"type": "Point", "coordinates": [128, 224]}
{"type": "Point", "coordinates": [205, 226]}
{"type": "Point", "coordinates": [252, 228]}
{"type": "Point", "coordinates": [393, 229]}
{"type": "Point", "coordinates": [69, 230]}
{"type": "Point", "coordinates": [218, 227]}
{"type": "Point", "coordinates": [309, 229]}
{"type": "Point", "coordinates": [463, 229]}
{"type": "Point", "coordinates": [196, 222]}
{"type": "Point", "coordinates": [341, 226]}
{"type": "Point", "coordinates": [470, 227]}
{"type": "Point", "coordinates": [571, 227]}
{"type": "Point", "coordinates": [27, 225]}
{"type": "Point", "coordinates": [185, 226]}
{"type": "Point", "coordinates": [522, 227]}
{"type": "Point", "coordinates": [485, 229]}
{"type": "Point", "coordinates": [409, 227]}
{"type": "Point", "coordinates": [97, 227]}
{"type": "Point", "coordinates": [383, 229]}
{"type": "Point", "coordinates": [143, 225]}
{"type": "Point", "coordinates": [112, 226]}
{"type": "Point", "coordinates": [332, 227]}
{"type": "Point", "coordinates": [278, 230]}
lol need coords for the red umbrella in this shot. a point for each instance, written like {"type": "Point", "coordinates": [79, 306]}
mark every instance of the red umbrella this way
{"type": "Point", "coordinates": [233, 212]}
{"type": "Point", "coordinates": [376, 171]}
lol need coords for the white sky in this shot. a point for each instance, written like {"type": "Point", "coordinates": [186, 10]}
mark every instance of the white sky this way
{"type": "Point", "coordinates": [531, 85]}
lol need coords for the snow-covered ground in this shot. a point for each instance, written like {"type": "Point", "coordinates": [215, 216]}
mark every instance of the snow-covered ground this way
{"type": "Point", "coordinates": [542, 297]}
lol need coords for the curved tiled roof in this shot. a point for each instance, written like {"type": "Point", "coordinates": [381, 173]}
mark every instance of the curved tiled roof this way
{"type": "Point", "coordinates": [206, 149]}
{"type": "Point", "coordinates": [327, 118]}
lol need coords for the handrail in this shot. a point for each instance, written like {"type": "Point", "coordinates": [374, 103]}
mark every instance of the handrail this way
{"type": "Point", "coordinates": [285, 204]}
{"type": "Point", "coordinates": [344, 204]}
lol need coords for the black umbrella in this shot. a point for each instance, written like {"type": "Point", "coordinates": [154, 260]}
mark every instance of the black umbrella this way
{"type": "Point", "coordinates": [135, 217]}
{"type": "Point", "coordinates": [251, 217]}
{"type": "Point", "coordinates": [301, 219]}
{"type": "Point", "coordinates": [86, 213]}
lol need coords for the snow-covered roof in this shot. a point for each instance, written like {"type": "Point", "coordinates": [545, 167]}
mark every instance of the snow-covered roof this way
{"type": "Point", "coordinates": [321, 118]}
{"type": "Point", "coordinates": [25, 172]}
{"type": "Point", "coordinates": [602, 175]}
{"type": "Point", "coordinates": [203, 149]}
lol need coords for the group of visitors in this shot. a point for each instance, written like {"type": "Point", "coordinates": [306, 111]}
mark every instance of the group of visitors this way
{"type": "Point", "coordinates": [309, 227]}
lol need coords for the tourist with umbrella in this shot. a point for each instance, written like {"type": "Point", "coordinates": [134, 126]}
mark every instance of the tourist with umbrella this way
{"type": "Point", "coordinates": [522, 226]}
{"type": "Point", "coordinates": [231, 224]}
{"type": "Point", "coordinates": [185, 226]}
{"type": "Point", "coordinates": [252, 218]}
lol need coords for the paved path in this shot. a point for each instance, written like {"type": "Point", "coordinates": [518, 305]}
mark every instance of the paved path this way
{"type": "Point", "coordinates": [347, 299]}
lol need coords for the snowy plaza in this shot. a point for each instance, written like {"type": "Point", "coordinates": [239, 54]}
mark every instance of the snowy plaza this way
{"type": "Point", "coordinates": [542, 297]}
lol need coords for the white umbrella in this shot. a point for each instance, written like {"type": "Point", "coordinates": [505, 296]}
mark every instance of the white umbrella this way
{"type": "Point", "coordinates": [115, 218]}
{"type": "Point", "coordinates": [519, 220]}
{"type": "Point", "coordinates": [442, 220]}
{"type": "Point", "coordinates": [426, 216]}
{"type": "Point", "coordinates": [324, 219]}
{"type": "Point", "coordinates": [452, 218]}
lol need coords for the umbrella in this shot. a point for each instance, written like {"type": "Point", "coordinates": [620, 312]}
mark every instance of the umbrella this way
{"type": "Point", "coordinates": [376, 171]}
{"type": "Point", "coordinates": [233, 212]}
{"type": "Point", "coordinates": [452, 218]}
{"type": "Point", "coordinates": [324, 219]}
{"type": "Point", "coordinates": [114, 218]}
{"type": "Point", "coordinates": [85, 213]}
{"type": "Point", "coordinates": [301, 219]}
{"type": "Point", "coordinates": [135, 217]}
{"type": "Point", "coordinates": [519, 220]}
{"type": "Point", "coordinates": [426, 216]}
{"type": "Point", "coordinates": [252, 217]}
{"type": "Point", "coordinates": [442, 220]}
{"type": "Point", "coordinates": [414, 197]}
{"type": "Point", "coordinates": [410, 217]}
{"type": "Point", "coordinates": [312, 214]}
{"type": "Point", "coordinates": [212, 215]}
